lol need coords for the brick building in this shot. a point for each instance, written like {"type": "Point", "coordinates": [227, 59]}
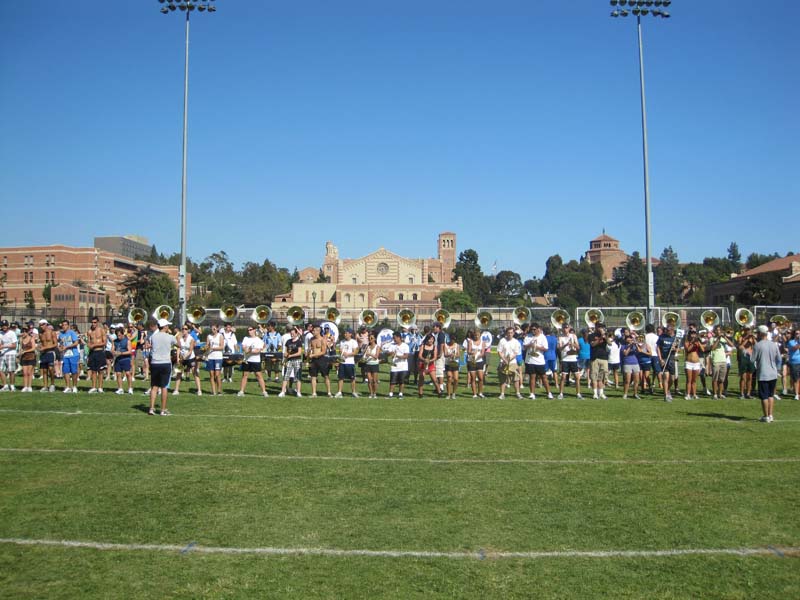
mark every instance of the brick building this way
{"type": "Point", "coordinates": [91, 277]}
{"type": "Point", "coordinates": [605, 250]}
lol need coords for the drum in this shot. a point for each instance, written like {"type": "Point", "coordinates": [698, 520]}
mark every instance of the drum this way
{"type": "Point", "coordinates": [232, 359]}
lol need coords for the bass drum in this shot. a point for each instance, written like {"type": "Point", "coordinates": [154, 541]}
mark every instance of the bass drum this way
{"type": "Point", "coordinates": [385, 336]}
{"type": "Point", "coordinates": [332, 327]}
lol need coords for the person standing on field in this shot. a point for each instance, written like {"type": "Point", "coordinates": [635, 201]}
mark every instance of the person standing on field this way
{"type": "Point", "coordinates": [766, 357]}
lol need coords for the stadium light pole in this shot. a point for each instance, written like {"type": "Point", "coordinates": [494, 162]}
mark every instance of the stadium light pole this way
{"type": "Point", "coordinates": [640, 8]}
{"type": "Point", "coordinates": [187, 7]}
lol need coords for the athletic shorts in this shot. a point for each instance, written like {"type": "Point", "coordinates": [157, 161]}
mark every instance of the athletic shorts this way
{"type": "Point", "coordinates": [795, 371]}
{"type": "Point", "coordinates": [476, 366]}
{"type": "Point", "coordinates": [657, 368]}
{"type": "Point", "coordinates": [69, 365]}
{"type": "Point", "coordinates": [251, 367]}
{"type": "Point", "coordinates": [47, 359]}
{"type": "Point", "coordinates": [766, 389]}
{"type": "Point", "coordinates": [319, 366]}
{"type": "Point", "coordinates": [122, 365]}
{"type": "Point", "coordinates": [214, 364]}
{"type": "Point", "coordinates": [109, 355]}
{"type": "Point", "coordinates": [535, 369]}
{"type": "Point", "coordinates": [746, 364]}
{"type": "Point", "coordinates": [692, 366]}
{"type": "Point", "coordinates": [613, 367]}
{"type": "Point", "coordinates": [27, 362]}
{"type": "Point", "coordinates": [551, 365]}
{"type": "Point", "coordinates": [582, 363]}
{"type": "Point", "coordinates": [188, 364]}
{"type": "Point", "coordinates": [97, 360]}
{"type": "Point", "coordinates": [646, 366]}
{"type": "Point", "coordinates": [669, 367]}
{"type": "Point", "coordinates": [347, 372]}
{"type": "Point", "coordinates": [371, 368]}
{"type": "Point", "coordinates": [631, 368]}
{"type": "Point", "coordinates": [398, 377]}
{"type": "Point", "coordinates": [569, 366]}
{"type": "Point", "coordinates": [160, 374]}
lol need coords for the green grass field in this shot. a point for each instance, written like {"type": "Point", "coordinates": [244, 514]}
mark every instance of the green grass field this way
{"type": "Point", "coordinates": [356, 498]}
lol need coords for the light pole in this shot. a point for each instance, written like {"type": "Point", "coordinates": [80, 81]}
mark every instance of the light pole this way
{"type": "Point", "coordinates": [185, 6]}
{"type": "Point", "coordinates": [640, 8]}
{"type": "Point", "coordinates": [314, 305]}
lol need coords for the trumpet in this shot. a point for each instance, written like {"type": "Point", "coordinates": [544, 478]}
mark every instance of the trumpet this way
{"type": "Point", "coordinates": [442, 317]}
{"type": "Point", "coordinates": [710, 319]}
{"type": "Point", "coordinates": [295, 315]}
{"type": "Point", "coordinates": [522, 315]}
{"type": "Point", "coordinates": [164, 312]}
{"type": "Point", "coordinates": [406, 318]}
{"type": "Point", "coordinates": [197, 314]}
{"type": "Point", "coordinates": [262, 313]}
{"type": "Point", "coordinates": [744, 317]}
{"type": "Point", "coordinates": [483, 319]}
{"type": "Point", "coordinates": [368, 318]}
{"type": "Point", "coordinates": [332, 314]}
{"type": "Point", "coordinates": [635, 320]}
{"type": "Point", "coordinates": [559, 318]}
{"type": "Point", "coordinates": [593, 316]}
{"type": "Point", "coordinates": [228, 313]}
{"type": "Point", "coordinates": [136, 315]}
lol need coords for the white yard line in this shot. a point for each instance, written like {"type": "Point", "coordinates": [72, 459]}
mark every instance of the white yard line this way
{"type": "Point", "coordinates": [389, 459]}
{"type": "Point", "coordinates": [336, 552]}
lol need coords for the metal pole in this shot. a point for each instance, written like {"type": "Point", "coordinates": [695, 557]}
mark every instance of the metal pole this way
{"type": "Point", "coordinates": [182, 273]}
{"type": "Point", "coordinates": [650, 284]}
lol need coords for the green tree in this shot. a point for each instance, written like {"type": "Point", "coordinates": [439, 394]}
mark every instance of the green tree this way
{"type": "Point", "coordinates": [735, 257]}
{"type": "Point", "coordinates": [553, 265]}
{"type": "Point", "coordinates": [756, 260]}
{"type": "Point", "coordinates": [261, 283]}
{"type": "Point", "coordinates": [456, 301]}
{"type": "Point", "coordinates": [630, 282]}
{"type": "Point", "coordinates": [46, 293]}
{"type": "Point", "coordinates": [764, 288]}
{"type": "Point", "coordinates": [506, 289]}
{"type": "Point", "coordinates": [468, 268]}
{"type": "Point", "coordinates": [668, 279]}
{"type": "Point", "coordinates": [321, 278]}
{"type": "Point", "coordinates": [29, 301]}
{"type": "Point", "coordinates": [134, 285]}
{"type": "Point", "coordinates": [159, 290]}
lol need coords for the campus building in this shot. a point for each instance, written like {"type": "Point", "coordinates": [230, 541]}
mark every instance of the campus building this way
{"type": "Point", "coordinates": [132, 246]}
{"type": "Point", "coordinates": [381, 279]}
{"type": "Point", "coordinates": [787, 268]}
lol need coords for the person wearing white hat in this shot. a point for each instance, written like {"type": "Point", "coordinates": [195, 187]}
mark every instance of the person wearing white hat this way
{"type": "Point", "coordinates": [161, 343]}
{"type": "Point", "coordinates": [766, 358]}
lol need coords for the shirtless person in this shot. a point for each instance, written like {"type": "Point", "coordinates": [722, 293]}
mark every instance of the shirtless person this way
{"type": "Point", "coordinates": [96, 337]}
{"type": "Point", "coordinates": [318, 362]}
{"type": "Point", "coordinates": [48, 343]}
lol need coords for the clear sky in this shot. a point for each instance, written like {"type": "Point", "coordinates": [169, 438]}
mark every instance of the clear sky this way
{"type": "Point", "coordinates": [514, 123]}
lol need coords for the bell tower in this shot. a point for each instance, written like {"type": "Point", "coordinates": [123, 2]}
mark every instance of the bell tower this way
{"type": "Point", "coordinates": [447, 254]}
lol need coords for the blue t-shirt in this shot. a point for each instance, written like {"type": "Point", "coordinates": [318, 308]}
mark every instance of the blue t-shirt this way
{"type": "Point", "coordinates": [122, 345]}
{"type": "Point", "coordinates": [552, 344]}
{"type": "Point", "coordinates": [794, 352]}
{"type": "Point", "coordinates": [585, 350]}
{"type": "Point", "coordinates": [67, 338]}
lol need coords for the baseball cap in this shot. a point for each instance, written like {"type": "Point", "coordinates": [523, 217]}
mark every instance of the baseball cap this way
{"type": "Point", "coordinates": [763, 329]}
{"type": "Point", "coordinates": [3, 323]}
{"type": "Point", "coordinates": [163, 323]}
{"type": "Point", "coordinates": [42, 321]}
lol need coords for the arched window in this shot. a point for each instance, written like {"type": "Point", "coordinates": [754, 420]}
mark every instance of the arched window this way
{"type": "Point", "coordinates": [399, 296]}
{"type": "Point", "coordinates": [413, 296]}
{"type": "Point", "coordinates": [361, 299]}
{"type": "Point", "coordinates": [347, 298]}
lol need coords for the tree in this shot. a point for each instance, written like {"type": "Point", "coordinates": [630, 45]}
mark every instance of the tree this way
{"type": "Point", "coordinates": [630, 282]}
{"type": "Point", "coordinates": [553, 265]}
{"type": "Point", "coordinates": [29, 301]}
{"type": "Point", "coordinates": [159, 290]}
{"type": "Point", "coordinates": [135, 284]}
{"type": "Point", "coordinates": [756, 260]}
{"type": "Point", "coordinates": [456, 301]}
{"type": "Point", "coordinates": [668, 280]}
{"type": "Point", "coordinates": [506, 288]}
{"type": "Point", "coordinates": [321, 278]}
{"type": "Point", "coordinates": [475, 284]}
{"type": "Point", "coordinates": [735, 257]}
{"type": "Point", "coordinates": [764, 288]}
{"type": "Point", "coordinates": [46, 293]}
{"type": "Point", "coordinates": [261, 283]}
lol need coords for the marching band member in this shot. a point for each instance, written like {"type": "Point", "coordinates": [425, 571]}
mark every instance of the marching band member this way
{"type": "Point", "coordinates": [216, 344]}
{"type": "Point", "coordinates": [508, 348]}
{"type": "Point", "coordinates": [629, 351]}
{"type": "Point", "coordinates": [252, 346]}
{"type": "Point", "coordinates": [535, 345]}
{"type": "Point", "coordinates": [293, 361]}
{"type": "Point", "coordinates": [123, 367]}
{"type": "Point", "coordinates": [452, 352]}
{"type": "Point", "coordinates": [372, 359]}
{"type": "Point", "coordinates": [666, 348]}
{"type": "Point", "coordinates": [475, 363]}
{"type": "Point", "coordinates": [568, 347]}
{"type": "Point", "coordinates": [766, 357]}
{"type": "Point", "coordinates": [747, 368]}
{"type": "Point", "coordinates": [348, 348]}
{"type": "Point", "coordinates": [399, 369]}
{"type": "Point", "coordinates": [692, 347]}
{"type": "Point", "coordinates": [651, 340]}
{"type": "Point", "coordinates": [231, 345]}
{"type": "Point", "coordinates": [599, 356]}
{"type": "Point", "coordinates": [186, 345]}
{"type": "Point", "coordinates": [161, 343]}
{"type": "Point", "coordinates": [318, 361]}
{"type": "Point", "coordinates": [426, 357]}
{"type": "Point", "coordinates": [362, 338]}
{"type": "Point", "coordinates": [441, 339]}
{"type": "Point", "coordinates": [720, 351]}
{"type": "Point", "coordinates": [273, 344]}
{"type": "Point", "coordinates": [48, 344]}
{"type": "Point", "coordinates": [793, 356]}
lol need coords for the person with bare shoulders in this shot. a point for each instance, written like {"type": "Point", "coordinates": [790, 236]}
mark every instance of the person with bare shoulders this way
{"type": "Point", "coordinates": [318, 362]}
{"type": "Point", "coordinates": [96, 337]}
{"type": "Point", "coordinates": [48, 343]}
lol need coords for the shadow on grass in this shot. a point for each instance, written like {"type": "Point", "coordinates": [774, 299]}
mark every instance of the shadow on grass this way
{"type": "Point", "coordinates": [715, 415]}
{"type": "Point", "coordinates": [141, 407]}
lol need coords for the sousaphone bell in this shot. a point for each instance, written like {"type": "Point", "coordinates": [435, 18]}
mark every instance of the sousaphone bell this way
{"type": "Point", "coordinates": [671, 319]}
{"type": "Point", "coordinates": [196, 314]}
{"type": "Point", "coordinates": [442, 317]}
{"type": "Point", "coordinates": [559, 318]}
{"type": "Point", "coordinates": [406, 318]}
{"type": "Point", "coordinates": [483, 320]}
{"type": "Point", "coordinates": [744, 317]}
{"type": "Point", "coordinates": [709, 318]}
{"type": "Point", "coordinates": [164, 312]}
{"type": "Point", "coordinates": [522, 315]}
{"type": "Point", "coordinates": [295, 315]}
{"type": "Point", "coordinates": [593, 316]}
{"type": "Point", "coordinates": [228, 313]}
{"type": "Point", "coordinates": [137, 315]}
{"type": "Point", "coordinates": [635, 320]}
{"type": "Point", "coordinates": [333, 315]}
{"type": "Point", "coordinates": [367, 318]}
{"type": "Point", "coordinates": [263, 313]}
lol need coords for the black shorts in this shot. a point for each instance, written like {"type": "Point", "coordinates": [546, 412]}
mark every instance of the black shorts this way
{"type": "Point", "coordinates": [766, 389]}
{"type": "Point", "coordinates": [251, 367]}
{"type": "Point", "coordinates": [371, 368]}
{"type": "Point", "coordinates": [569, 366]}
{"type": "Point", "coordinates": [319, 366]}
{"type": "Point", "coordinates": [160, 374]}
{"type": "Point", "coordinates": [188, 363]}
{"type": "Point", "coordinates": [28, 362]}
{"type": "Point", "coordinates": [46, 359]}
{"type": "Point", "coordinates": [613, 367]}
{"type": "Point", "coordinates": [535, 369]}
{"type": "Point", "coordinates": [475, 366]}
{"type": "Point", "coordinates": [398, 377]}
{"type": "Point", "coordinates": [97, 360]}
{"type": "Point", "coordinates": [109, 355]}
{"type": "Point", "coordinates": [347, 372]}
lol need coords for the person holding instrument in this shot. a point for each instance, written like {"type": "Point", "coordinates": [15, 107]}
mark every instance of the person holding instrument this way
{"type": "Point", "coordinates": [720, 346]}
{"type": "Point", "coordinates": [693, 348]}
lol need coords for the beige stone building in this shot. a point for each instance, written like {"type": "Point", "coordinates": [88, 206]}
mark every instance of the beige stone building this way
{"type": "Point", "coordinates": [605, 250]}
{"type": "Point", "coordinates": [380, 280]}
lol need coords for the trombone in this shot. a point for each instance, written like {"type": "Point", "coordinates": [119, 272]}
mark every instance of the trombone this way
{"type": "Point", "coordinates": [406, 318]}
{"type": "Point", "coordinates": [164, 312]}
{"type": "Point", "coordinates": [262, 313]}
{"type": "Point", "coordinates": [333, 315]}
{"type": "Point", "coordinates": [136, 315]}
{"type": "Point", "coordinates": [522, 315]}
{"type": "Point", "coordinates": [197, 314]}
{"type": "Point", "coordinates": [442, 317]}
{"type": "Point", "coordinates": [744, 317]}
{"type": "Point", "coordinates": [367, 318]}
{"type": "Point", "coordinates": [559, 318]}
{"type": "Point", "coordinates": [593, 316]}
{"type": "Point", "coordinates": [228, 313]}
{"type": "Point", "coordinates": [483, 319]}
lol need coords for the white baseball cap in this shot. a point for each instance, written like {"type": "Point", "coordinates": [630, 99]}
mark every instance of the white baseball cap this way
{"type": "Point", "coordinates": [163, 323]}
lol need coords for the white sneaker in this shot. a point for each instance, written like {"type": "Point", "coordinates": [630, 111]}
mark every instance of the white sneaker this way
{"type": "Point", "coordinates": [400, 395]}
{"type": "Point", "coordinates": [770, 419]}
{"type": "Point", "coordinates": [688, 397]}
{"type": "Point", "coordinates": [266, 394]}
{"type": "Point", "coordinates": [519, 396]}
{"type": "Point", "coordinates": [52, 388]}
{"type": "Point", "coordinates": [299, 395]}
{"type": "Point", "coordinates": [25, 390]}
{"type": "Point", "coordinates": [579, 396]}
{"type": "Point", "coordinates": [550, 396]}
{"type": "Point", "coordinates": [338, 395]}
{"type": "Point", "coordinates": [4, 388]}
{"type": "Point", "coordinates": [474, 395]}
{"type": "Point", "coordinates": [74, 390]}
{"type": "Point", "coordinates": [481, 396]}
{"type": "Point", "coordinates": [764, 419]}
{"type": "Point", "coordinates": [775, 396]}
{"type": "Point", "coordinates": [240, 394]}
{"type": "Point", "coordinates": [314, 395]}
{"type": "Point", "coordinates": [66, 390]}
{"type": "Point", "coordinates": [44, 390]}
{"type": "Point", "coordinates": [797, 396]}
{"type": "Point", "coordinates": [93, 391]}
{"type": "Point", "coordinates": [282, 395]}
{"type": "Point", "coordinates": [624, 396]}
{"type": "Point", "coordinates": [391, 394]}
{"type": "Point", "coordinates": [502, 396]}
{"type": "Point", "coordinates": [120, 391]}
{"type": "Point", "coordinates": [603, 396]}
{"type": "Point", "coordinates": [532, 396]}
{"type": "Point", "coordinates": [175, 393]}
{"type": "Point", "coordinates": [355, 394]}
{"type": "Point", "coordinates": [561, 396]}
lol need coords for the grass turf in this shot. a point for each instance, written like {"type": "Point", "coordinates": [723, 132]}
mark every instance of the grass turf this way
{"type": "Point", "coordinates": [313, 473]}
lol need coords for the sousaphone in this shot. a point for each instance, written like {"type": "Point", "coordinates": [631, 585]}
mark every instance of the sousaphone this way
{"type": "Point", "coordinates": [136, 315]}
{"type": "Point", "coordinates": [263, 313]}
{"type": "Point", "coordinates": [522, 315]}
{"type": "Point", "coordinates": [164, 312]}
{"type": "Point", "coordinates": [196, 314]}
{"type": "Point", "coordinates": [710, 319]}
{"type": "Point", "coordinates": [635, 320]}
{"type": "Point", "coordinates": [442, 317]}
{"type": "Point", "coordinates": [744, 317]}
{"type": "Point", "coordinates": [332, 314]}
{"type": "Point", "coordinates": [406, 318]}
{"type": "Point", "coordinates": [295, 315]}
{"type": "Point", "coordinates": [228, 313]}
{"type": "Point", "coordinates": [593, 316]}
{"type": "Point", "coordinates": [483, 320]}
{"type": "Point", "coordinates": [367, 318]}
{"type": "Point", "coordinates": [559, 318]}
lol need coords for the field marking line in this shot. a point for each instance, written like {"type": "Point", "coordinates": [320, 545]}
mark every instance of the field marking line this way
{"type": "Point", "coordinates": [732, 420]}
{"type": "Point", "coordinates": [336, 552]}
{"type": "Point", "coordinates": [400, 459]}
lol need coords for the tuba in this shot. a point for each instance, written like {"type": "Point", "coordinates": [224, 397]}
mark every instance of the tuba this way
{"type": "Point", "coordinates": [228, 313]}
{"type": "Point", "coordinates": [295, 315]}
{"type": "Point", "coordinates": [782, 321]}
{"type": "Point", "coordinates": [368, 318]}
{"type": "Point", "coordinates": [635, 320]}
{"type": "Point", "coordinates": [164, 312]}
{"type": "Point", "coordinates": [197, 314]}
{"type": "Point", "coordinates": [136, 315]}
{"type": "Point", "coordinates": [710, 319]}
{"type": "Point", "coordinates": [262, 313]}
{"type": "Point", "coordinates": [559, 318]}
{"type": "Point", "coordinates": [593, 316]}
{"type": "Point", "coordinates": [483, 320]}
{"type": "Point", "coordinates": [442, 317]}
{"type": "Point", "coordinates": [522, 315]}
{"type": "Point", "coordinates": [671, 319]}
{"type": "Point", "coordinates": [333, 315]}
{"type": "Point", "coordinates": [744, 318]}
{"type": "Point", "coordinates": [406, 318]}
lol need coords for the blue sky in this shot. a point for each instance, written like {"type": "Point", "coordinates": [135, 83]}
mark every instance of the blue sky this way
{"type": "Point", "coordinates": [515, 124]}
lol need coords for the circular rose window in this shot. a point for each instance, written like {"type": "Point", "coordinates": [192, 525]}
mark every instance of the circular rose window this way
{"type": "Point", "coordinates": [383, 268]}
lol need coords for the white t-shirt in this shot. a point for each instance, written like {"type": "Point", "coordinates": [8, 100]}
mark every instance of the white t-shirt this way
{"type": "Point", "coordinates": [509, 349]}
{"type": "Point", "coordinates": [230, 341]}
{"type": "Point", "coordinates": [215, 340]}
{"type": "Point", "coordinates": [651, 339]}
{"type": "Point", "coordinates": [399, 364]}
{"type": "Point", "coordinates": [474, 350]}
{"type": "Point", "coordinates": [540, 342]}
{"type": "Point", "coordinates": [9, 337]}
{"type": "Point", "coordinates": [185, 343]}
{"type": "Point", "coordinates": [349, 346]}
{"type": "Point", "coordinates": [566, 343]}
{"type": "Point", "coordinates": [253, 344]}
{"type": "Point", "coordinates": [613, 353]}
